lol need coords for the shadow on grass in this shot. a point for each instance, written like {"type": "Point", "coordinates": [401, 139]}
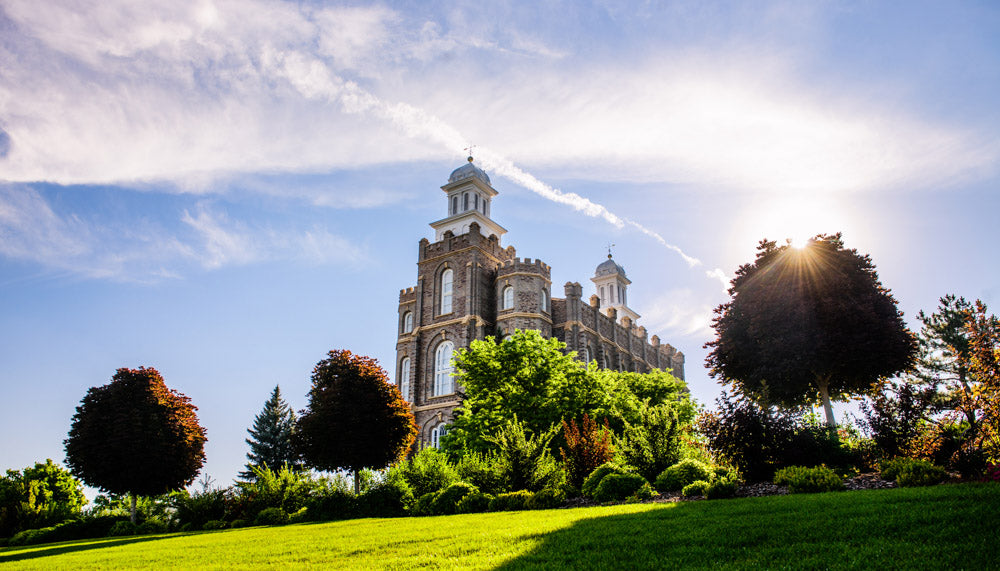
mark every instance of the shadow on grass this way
{"type": "Point", "coordinates": [47, 550]}
{"type": "Point", "coordinates": [940, 527]}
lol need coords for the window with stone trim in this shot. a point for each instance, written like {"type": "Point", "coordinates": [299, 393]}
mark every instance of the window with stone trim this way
{"type": "Point", "coordinates": [454, 204]}
{"type": "Point", "coordinates": [437, 433]}
{"type": "Point", "coordinates": [586, 355]}
{"type": "Point", "coordinates": [404, 378]}
{"type": "Point", "coordinates": [408, 322]}
{"type": "Point", "coordinates": [508, 297]}
{"type": "Point", "coordinates": [545, 300]}
{"type": "Point", "coordinates": [447, 279]}
{"type": "Point", "coordinates": [443, 382]}
{"type": "Point", "coordinates": [465, 202]}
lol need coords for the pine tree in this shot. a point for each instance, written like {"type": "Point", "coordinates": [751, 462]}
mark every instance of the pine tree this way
{"type": "Point", "coordinates": [271, 437]}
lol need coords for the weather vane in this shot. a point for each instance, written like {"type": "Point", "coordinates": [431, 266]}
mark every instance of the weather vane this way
{"type": "Point", "coordinates": [470, 148]}
{"type": "Point", "coordinates": [610, 245]}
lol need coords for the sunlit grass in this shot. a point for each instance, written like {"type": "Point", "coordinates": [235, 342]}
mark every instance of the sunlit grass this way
{"type": "Point", "coordinates": [939, 527]}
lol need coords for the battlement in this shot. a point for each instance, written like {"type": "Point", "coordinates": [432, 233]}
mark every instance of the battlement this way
{"type": "Point", "coordinates": [517, 265]}
{"type": "Point", "coordinates": [473, 238]}
{"type": "Point", "coordinates": [407, 294]}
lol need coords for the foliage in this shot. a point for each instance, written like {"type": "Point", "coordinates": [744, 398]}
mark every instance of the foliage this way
{"type": "Point", "coordinates": [271, 437]}
{"type": "Point", "coordinates": [510, 501]}
{"type": "Point", "coordinates": [722, 488]}
{"type": "Point", "coordinates": [587, 446]}
{"type": "Point", "coordinates": [482, 471]}
{"type": "Point", "coordinates": [617, 487]}
{"type": "Point", "coordinates": [390, 497]}
{"type": "Point", "coordinates": [911, 472]}
{"type": "Point", "coordinates": [152, 526]}
{"type": "Point", "coordinates": [216, 524]}
{"type": "Point", "coordinates": [332, 500]}
{"type": "Point", "coordinates": [271, 516]}
{"type": "Point", "coordinates": [134, 435]}
{"type": "Point", "coordinates": [654, 443]}
{"type": "Point", "coordinates": [984, 367]}
{"type": "Point", "coordinates": [428, 471]}
{"type": "Point", "coordinates": [808, 325]}
{"type": "Point", "coordinates": [446, 501]}
{"type": "Point", "coordinates": [123, 528]}
{"type": "Point", "coordinates": [202, 506]}
{"type": "Point", "coordinates": [424, 504]}
{"type": "Point", "coordinates": [38, 496]}
{"type": "Point", "coordinates": [355, 418]}
{"type": "Point", "coordinates": [531, 377]}
{"type": "Point", "coordinates": [592, 481]}
{"type": "Point", "coordinates": [546, 499]}
{"type": "Point", "coordinates": [894, 415]}
{"type": "Point", "coordinates": [803, 480]}
{"type": "Point", "coordinates": [681, 474]}
{"type": "Point", "coordinates": [695, 488]}
{"type": "Point", "coordinates": [523, 460]}
{"type": "Point", "coordinates": [284, 488]}
{"type": "Point", "coordinates": [475, 502]}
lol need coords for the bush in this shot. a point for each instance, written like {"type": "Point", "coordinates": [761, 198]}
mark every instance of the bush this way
{"type": "Point", "coordinates": [524, 460]}
{"type": "Point", "coordinates": [546, 499]}
{"type": "Point", "coordinates": [237, 523]}
{"type": "Point", "coordinates": [300, 516]}
{"type": "Point", "coordinates": [332, 502]}
{"type": "Point", "coordinates": [424, 504]}
{"type": "Point", "coordinates": [286, 488]}
{"type": "Point", "coordinates": [122, 528]}
{"type": "Point", "coordinates": [721, 488]}
{"type": "Point", "coordinates": [802, 480]}
{"type": "Point", "coordinates": [681, 474]}
{"type": "Point", "coordinates": [476, 502]}
{"type": "Point", "coordinates": [594, 479]}
{"type": "Point", "coordinates": [428, 471]}
{"type": "Point", "coordinates": [654, 443]}
{"type": "Point", "coordinates": [200, 507]}
{"type": "Point", "coordinates": [587, 446]}
{"type": "Point", "coordinates": [617, 487]}
{"type": "Point", "coordinates": [511, 501]}
{"type": "Point", "coordinates": [912, 472]}
{"type": "Point", "coordinates": [389, 498]}
{"type": "Point", "coordinates": [152, 526]}
{"type": "Point", "coordinates": [696, 488]}
{"type": "Point", "coordinates": [215, 524]}
{"type": "Point", "coordinates": [482, 471]}
{"type": "Point", "coordinates": [271, 516]}
{"type": "Point", "coordinates": [445, 502]}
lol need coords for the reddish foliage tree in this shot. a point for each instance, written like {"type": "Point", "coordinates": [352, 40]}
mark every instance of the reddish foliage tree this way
{"type": "Point", "coordinates": [587, 447]}
{"type": "Point", "coordinates": [355, 419]}
{"type": "Point", "coordinates": [135, 436]}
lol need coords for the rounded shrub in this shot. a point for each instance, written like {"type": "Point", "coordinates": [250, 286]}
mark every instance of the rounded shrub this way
{"type": "Point", "coordinates": [424, 503]}
{"type": "Point", "coordinates": [237, 523]}
{"type": "Point", "coordinates": [681, 474]}
{"type": "Point", "coordinates": [721, 488]}
{"type": "Point", "coordinates": [617, 487]}
{"type": "Point", "coordinates": [920, 473]}
{"type": "Point", "coordinates": [802, 480]}
{"type": "Point", "coordinates": [151, 526]}
{"type": "Point", "coordinates": [546, 499]}
{"type": "Point", "coordinates": [475, 502]}
{"type": "Point", "coordinates": [271, 516]}
{"type": "Point", "coordinates": [445, 502]}
{"type": "Point", "coordinates": [695, 488]}
{"type": "Point", "coordinates": [213, 524]}
{"type": "Point", "coordinates": [594, 479]}
{"type": "Point", "coordinates": [123, 528]}
{"type": "Point", "coordinates": [390, 498]}
{"type": "Point", "coordinates": [511, 501]}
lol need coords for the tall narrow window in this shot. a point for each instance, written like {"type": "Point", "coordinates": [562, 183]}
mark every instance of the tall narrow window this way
{"type": "Point", "coordinates": [443, 384]}
{"type": "Point", "coordinates": [545, 300]}
{"type": "Point", "coordinates": [612, 288]}
{"type": "Point", "coordinates": [454, 204]}
{"type": "Point", "coordinates": [446, 284]}
{"type": "Point", "coordinates": [408, 322]}
{"type": "Point", "coordinates": [465, 202]}
{"type": "Point", "coordinates": [404, 378]}
{"type": "Point", "coordinates": [604, 298]}
{"type": "Point", "coordinates": [475, 201]}
{"type": "Point", "coordinates": [508, 297]}
{"type": "Point", "coordinates": [586, 355]}
{"type": "Point", "coordinates": [437, 434]}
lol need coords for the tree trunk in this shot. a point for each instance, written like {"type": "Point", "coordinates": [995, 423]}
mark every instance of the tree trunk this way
{"type": "Point", "coordinates": [824, 390]}
{"type": "Point", "coordinates": [133, 507]}
{"type": "Point", "coordinates": [357, 483]}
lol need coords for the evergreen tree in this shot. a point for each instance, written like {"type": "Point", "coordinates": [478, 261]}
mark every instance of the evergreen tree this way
{"type": "Point", "coordinates": [271, 437]}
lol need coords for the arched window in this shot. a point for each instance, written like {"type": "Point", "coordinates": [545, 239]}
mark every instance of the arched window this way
{"type": "Point", "coordinates": [454, 204]}
{"type": "Point", "coordinates": [586, 355]}
{"type": "Point", "coordinates": [475, 201]}
{"type": "Point", "coordinates": [545, 300]}
{"type": "Point", "coordinates": [612, 288]}
{"type": "Point", "coordinates": [446, 283]}
{"type": "Point", "coordinates": [443, 384]}
{"type": "Point", "coordinates": [437, 433]}
{"type": "Point", "coordinates": [508, 297]}
{"type": "Point", "coordinates": [404, 378]}
{"type": "Point", "coordinates": [465, 202]}
{"type": "Point", "coordinates": [408, 322]}
{"type": "Point", "coordinates": [604, 298]}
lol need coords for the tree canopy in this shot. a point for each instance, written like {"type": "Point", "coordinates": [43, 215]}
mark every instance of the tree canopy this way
{"type": "Point", "coordinates": [531, 377]}
{"type": "Point", "coordinates": [808, 325]}
{"type": "Point", "coordinates": [355, 418]}
{"type": "Point", "coordinates": [271, 437]}
{"type": "Point", "coordinates": [136, 436]}
{"type": "Point", "coordinates": [37, 496]}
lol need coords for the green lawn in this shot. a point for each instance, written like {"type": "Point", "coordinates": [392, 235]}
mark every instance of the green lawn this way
{"type": "Point", "coordinates": [951, 526]}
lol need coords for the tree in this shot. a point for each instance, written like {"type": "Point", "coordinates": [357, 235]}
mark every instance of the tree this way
{"type": "Point", "coordinates": [945, 351]}
{"type": "Point", "coordinates": [587, 446]}
{"type": "Point", "coordinates": [355, 419]}
{"type": "Point", "coordinates": [135, 436]}
{"type": "Point", "coordinates": [271, 437]}
{"type": "Point", "coordinates": [42, 495]}
{"type": "Point", "coordinates": [984, 367]}
{"type": "Point", "coordinates": [808, 325]}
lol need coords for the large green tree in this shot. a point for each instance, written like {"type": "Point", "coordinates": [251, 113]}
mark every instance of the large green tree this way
{"type": "Point", "coordinates": [806, 325]}
{"type": "Point", "coordinates": [532, 378]}
{"type": "Point", "coordinates": [40, 495]}
{"type": "Point", "coordinates": [271, 437]}
{"type": "Point", "coordinates": [355, 418]}
{"type": "Point", "coordinates": [136, 436]}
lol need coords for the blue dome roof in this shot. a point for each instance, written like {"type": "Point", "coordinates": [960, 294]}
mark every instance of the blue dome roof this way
{"type": "Point", "coordinates": [468, 170]}
{"type": "Point", "coordinates": [608, 267]}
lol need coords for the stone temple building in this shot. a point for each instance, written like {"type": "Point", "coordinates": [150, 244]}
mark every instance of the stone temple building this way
{"type": "Point", "coordinates": [469, 286]}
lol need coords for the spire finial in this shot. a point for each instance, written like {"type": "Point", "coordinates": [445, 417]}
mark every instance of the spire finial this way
{"type": "Point", "coordinates": [470, 148]}
{"type": "Point", "coordinates": [610, 245]}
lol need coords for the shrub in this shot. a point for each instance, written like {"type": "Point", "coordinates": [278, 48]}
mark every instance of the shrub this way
{"type": "Point", "coordinates": [510, 501]}
{"type": "Point", "coordinates": [428, 471]}
{"type": "Point", "coordinates": [991, 473]}
{"type": "Point", "coordinates": [215, 524]}
{"type": "Point", "coordinates": [617, 487]}
{"type": "Point", "coordinates": [152, 526]}
{"type": "Point", "coordinates": [200, 507]}
{"type": "Point", "coordinates": [389, 498]}
{"type": "Point", "coordinates": [912, 472]}
{"type": "Point", "coordinates": [587, 446]}
{"type": "Point", "coordinates": [546, 499]}
{"type": "Point", "coordinates": [424, 504]}
{"type": "Point", "coordinates": [802, 480]}
{"type": "Point", "coordinates": [721, 488]}
{"type": "Point", "coordinates": [524, 460]}
{"type": "Point", "coordinates": [332, 502]}
{"type": "Point", "coordinates": [285, 488]}
{"type": "Point", "coordinates": [271, 516]}
{"type": "Point", "coordinates": [594, 479]}
{"type": "Point", "coordinates": [237, 523]}
{"type": "Point", "coordinates": [122, 528]}
{"type": "Point", "coordinates": [894, 416]}
{"type": "Point", "coordinates": [696, 488]}
{"type": "Point", "coordinates": [681, 474]}
{"type": "Point", "coordinates": [482, 471]}
{"type": "Point", "coordinates": [654, 443]}
{"type": "Point", "coordinates": [476, 502]}
{"type": "Point", "coordinates": [444, 502]}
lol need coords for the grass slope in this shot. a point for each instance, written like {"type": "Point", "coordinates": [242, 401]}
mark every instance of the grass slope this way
{"type": "Point", "coordinates": [952, 526]}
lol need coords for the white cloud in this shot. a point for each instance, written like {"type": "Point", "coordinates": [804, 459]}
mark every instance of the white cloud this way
{"type": "Point", "coordinates": [680, 312]}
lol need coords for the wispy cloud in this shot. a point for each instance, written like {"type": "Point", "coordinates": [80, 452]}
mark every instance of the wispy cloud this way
{"type": "Point", "coordinates": [680, 312]}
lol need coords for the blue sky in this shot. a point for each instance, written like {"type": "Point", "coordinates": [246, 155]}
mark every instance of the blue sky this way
{"type": "Point", "coordinates": [227, 190]}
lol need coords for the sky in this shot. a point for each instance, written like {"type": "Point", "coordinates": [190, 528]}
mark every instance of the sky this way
{"type": "Point", "coordinates": [227, 190]}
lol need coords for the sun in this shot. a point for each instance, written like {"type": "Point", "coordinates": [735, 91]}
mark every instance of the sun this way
{"type": "Point", "coordinates": [794, 220]}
